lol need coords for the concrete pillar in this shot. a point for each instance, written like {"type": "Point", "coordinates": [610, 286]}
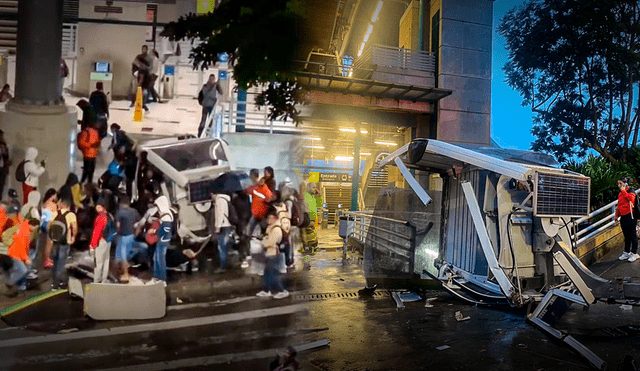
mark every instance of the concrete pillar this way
{"type": "Point", "coordinates": [37, 116]}
{"type": "Point", "coordinates": [38, 53]}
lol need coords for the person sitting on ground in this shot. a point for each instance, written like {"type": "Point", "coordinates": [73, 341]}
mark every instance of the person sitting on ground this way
{"type": "Point", "coordinates": [5, 96]}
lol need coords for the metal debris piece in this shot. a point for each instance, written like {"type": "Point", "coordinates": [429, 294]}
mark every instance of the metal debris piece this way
{"type": "Point", "coordinates": [68, 331]}
{"type": "Point", "coordinates": [460, 317]}
{"type": "Point", "coordinates": [409, 297]}
{"type": "Point", "coordinates": [396, 297]}
{"type": "Point", "coordinates": [499, 331]}
{"type": "Point", "coordinates": [315, 344]}
{"type": "Point", "coordinates": [443, 347]}
{"type": "Point", "coordinates": [626, 307]}
{"type": "Point", "coordinates": [428, 303]}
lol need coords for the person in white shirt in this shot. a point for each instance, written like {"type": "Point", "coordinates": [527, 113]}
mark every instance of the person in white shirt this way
{"type": "Point", "coordinates": [222, 227]}
{"type": "Point", "coordinates": [32, 172]}
{"type": "Point", "coordinates": [156, 65]}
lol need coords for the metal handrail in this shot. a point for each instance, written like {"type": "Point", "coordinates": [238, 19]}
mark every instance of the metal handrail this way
{"type": "Point", "coordinates": [578, 236]}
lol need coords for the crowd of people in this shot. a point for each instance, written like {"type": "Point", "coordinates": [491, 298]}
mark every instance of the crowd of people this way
{"type": "Point", "coordinates": [262, 223]}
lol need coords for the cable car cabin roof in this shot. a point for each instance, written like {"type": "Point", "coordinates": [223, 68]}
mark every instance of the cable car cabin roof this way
{"type": "Point", "coordinates": [438, 156]}
{"type": "Point", "coordinates": [183, 160]}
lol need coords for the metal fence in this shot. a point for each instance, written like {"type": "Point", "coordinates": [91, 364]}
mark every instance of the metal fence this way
{"type": "Point", "coordinates": [395, 236]}
{"type": "Point", "coordinates": [381, 55]}
{"type": "Point", "coordinates": [597, 222]}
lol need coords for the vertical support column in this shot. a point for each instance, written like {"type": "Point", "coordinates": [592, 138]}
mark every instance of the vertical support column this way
{"type": "Point", "coordinates": [39, 49]}
{"type": "Point", "coordinates": [355, 185]}
{"type": "Point", "coordinates": [421, 25]}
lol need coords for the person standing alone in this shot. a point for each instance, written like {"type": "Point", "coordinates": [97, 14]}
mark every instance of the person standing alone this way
{"type": "Point", "coordinates": [89, 144]}
{"type": "Point", "coordinates": [624, 214]}
{"type": "Point", "coordinates": [208, 98]}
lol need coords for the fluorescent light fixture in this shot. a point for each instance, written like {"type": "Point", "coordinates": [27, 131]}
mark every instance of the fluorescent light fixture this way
{"type": "Point", "coordinates": [386, 143]}
{"type": "Point", "coordinates": [312, 138]}
{"type": "Point", "coordinates": [377, 12]}
{"type": "Point", "coordinates": [365, 154]}
{"type": "Point", "coordinates": [361, 49]}
{"type": "Point", "coordinates": [347, 130]}
{"type": "Point", "coordinates": [343, 158]}
{"type": "Point", "coordinates": [314, 147]}
{"type": "Point", "coordinates": [350, 73]}
{"type": "Point", "coordinates": [366, 36]}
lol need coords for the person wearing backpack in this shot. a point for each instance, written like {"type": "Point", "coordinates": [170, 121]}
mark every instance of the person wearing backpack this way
{"type": "Point", "coordinates": [224, 219]}
{"type": "Point", "coordinates": [624, 214]}
{"type": "Point", "coordinates": [100, 245]}
{"type": "Point", "coordinates": [62, 231]}
{"type": "Point", "coordinates": [28, 172]}
{"type": "Point", "coordinates": [275, 235]}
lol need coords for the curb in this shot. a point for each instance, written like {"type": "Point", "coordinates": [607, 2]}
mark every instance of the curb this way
{"type": "Point", "coordinates": [29, 302]}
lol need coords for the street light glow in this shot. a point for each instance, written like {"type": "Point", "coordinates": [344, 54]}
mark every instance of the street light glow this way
{"type": "Point", "coordinates": [377, 12]}
{"type": "Point", "coordinates": [386, 143]}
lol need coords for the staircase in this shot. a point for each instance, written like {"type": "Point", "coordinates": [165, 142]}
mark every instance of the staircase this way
{"type": "Point", "coordinates": [335, 196]}
{"type": "Point", "coordinates": [377, 180]}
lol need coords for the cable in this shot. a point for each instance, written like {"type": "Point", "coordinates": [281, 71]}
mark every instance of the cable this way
{"type": "Point", "coordinates": [566, 226]}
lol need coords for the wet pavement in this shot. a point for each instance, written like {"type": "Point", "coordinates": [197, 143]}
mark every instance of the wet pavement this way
{"type": "Point", "coordinates": [216, 322]}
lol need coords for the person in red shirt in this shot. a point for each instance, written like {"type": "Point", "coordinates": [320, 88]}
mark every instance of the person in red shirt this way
{"type": "Point", "coordinates": [99, 247]}
{"type": "Point", "coordinates": [261, 195]}
{"type": "Point", "coordinates": [19, 254]}
{"type": "Point", "coordinates": [624, 215]}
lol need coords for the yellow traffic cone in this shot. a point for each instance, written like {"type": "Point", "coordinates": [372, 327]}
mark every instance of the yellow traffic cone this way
{"type": "Point", "coordinates": [137, 112]}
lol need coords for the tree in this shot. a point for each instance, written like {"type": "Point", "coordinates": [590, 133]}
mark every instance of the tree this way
{"type": "Point", "coordinates": [260, 38]}
{"type": "Point", "coordinates": [575, 63]}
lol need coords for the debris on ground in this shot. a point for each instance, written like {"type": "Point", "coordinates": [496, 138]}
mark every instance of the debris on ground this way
{"type": "Point", "coordinates": [428, 303]}
{"type": "Point", "coordinates": [460, 317]}
{"type": "Point", "coordinates": [443, 347]}
{"type": "Point", "coordinates": [626, 307]}
{"type": "Point", "coordinates": [499, 331]}
{"type": "Point", "coordinates": [409, 297]}
{"type": "Point", "coordinates": [67, 331]}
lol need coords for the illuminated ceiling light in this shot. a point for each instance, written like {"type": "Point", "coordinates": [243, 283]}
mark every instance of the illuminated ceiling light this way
{"type": "Point", "coordinates": [314, 147]}
{"type": "Point", "coordinates": [312, 138]}
{"type": "Point", "coordinates": [350, 73]}
{"type": "Point", "coordinates": [347, 130]}
{"type": "Point", "coordinates": [361, 49]}
{"type": "Point", "coordinates": [343, 158]}
{"type": "Point", "coordinates": [386, 143]}
{"type": "Point", "coordinates": [366, 36]}
{"type": "Point", "coordinates": [377, 12]}
{"type": "Point", "coordinates": [365, 154]}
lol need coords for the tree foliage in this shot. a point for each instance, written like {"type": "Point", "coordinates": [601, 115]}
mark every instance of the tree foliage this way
{"type": "Point", "coordinates": [604, 177]}
{"type": "Point", "coordinates": [575, 63]}
{"type": "Point", "coordinates": [260, 37]}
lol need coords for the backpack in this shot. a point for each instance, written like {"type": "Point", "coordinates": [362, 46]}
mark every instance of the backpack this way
{"type": "Point", "coordinates": [58, 228]}
{"type": "Point", "coordinates": [174, 224]}
{"type": "Point", "coordinates": [233, 214]}
{"type": "Point", "coordinates": [299, 218]}
{"type": "Point", "coordinates": [7, 236]}
{"type": "Point", "coordinates": [21, 175]}
{"type": "Point", "coordinates": [109, 232]}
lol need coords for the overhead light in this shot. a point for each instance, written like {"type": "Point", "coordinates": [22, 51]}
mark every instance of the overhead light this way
{"type": "Point", "coordinates": [343, 158]}
{"type": "Point", "coordinates": [361, 49]}
{"type": "Point", "coordinates": [314, 147]}
{"type": "Point", "coordinates": [377, 12]}
{"type": "Point", "coordinates": [386, 143]}
{"type": "Point", "coordinates": [350, 73]}
{"type": "Point", "coordinates": [347, 130]}
{"type": "Point", "coordinates": [311, 138]}
{"type": "Point", "coordinates": [366, 36]}
{"type": "Point", "coordinates": [365, 154]}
